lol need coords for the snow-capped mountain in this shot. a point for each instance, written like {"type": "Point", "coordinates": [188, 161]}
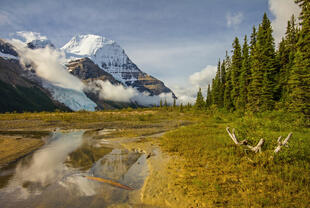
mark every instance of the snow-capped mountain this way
{"type": "Point", "coordinates": [107, 54]}
{"type": "Point", "coordinates": [110, 57]}
{"type": "Point", "coordinates": [105, 75]}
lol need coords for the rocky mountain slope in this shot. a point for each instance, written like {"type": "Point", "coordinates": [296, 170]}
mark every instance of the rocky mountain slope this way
{"type": "Point", "coordinates": [19, 94]}
{"type": "Point", "coordinates": [98, 62]}
{"type": "Point", "coordinates": [86, 70]}
{"type": "Point", "coordinates": [110, 57]}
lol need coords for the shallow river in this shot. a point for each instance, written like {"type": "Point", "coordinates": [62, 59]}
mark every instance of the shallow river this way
{"type": "Point", "coordinates": [74, 170]}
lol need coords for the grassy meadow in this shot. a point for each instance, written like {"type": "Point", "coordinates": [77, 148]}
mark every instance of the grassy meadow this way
{"type": "Point", "coordinates": [217, 172]}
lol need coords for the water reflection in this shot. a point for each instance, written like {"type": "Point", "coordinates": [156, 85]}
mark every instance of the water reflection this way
{"type": "Point", "coordinates": [54, 176]}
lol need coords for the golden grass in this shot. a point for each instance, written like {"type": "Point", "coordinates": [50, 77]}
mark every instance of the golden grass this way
{"type": "Point", "coordinates": [13, 148]}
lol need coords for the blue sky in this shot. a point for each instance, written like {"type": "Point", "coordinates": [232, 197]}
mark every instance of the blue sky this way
{"type": "Point", "coordinates": [170, 39]}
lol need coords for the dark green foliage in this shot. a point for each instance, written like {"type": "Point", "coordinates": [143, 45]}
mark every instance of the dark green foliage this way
{"type": "Point", "coordinates": [23, 99]}
{"type": "Point", "coordinates": [181, 108]}
{"type": "Point", "coordinates": [244, 76]}
{"type": "Point", "coordinates": [285, 59]}
{"type": "Point", "coordinates": [209, 97]}
{"type": "Point", "coordinates": [262, 84]}
{"type": "Point", "coordinates": [299, 79]}
{"type": "Point", "coordinates": [258, 78]}
{"type": "Point", "coordinates": [236, 64]}
{"type": "Point", "coordinates": [216, 86]}
{"type": "Point", "coordinates": [165, 103]}
{"type": "Point", "coordinates": [228, 104]}
{"type": "Point", "coordinates": [200, 103]}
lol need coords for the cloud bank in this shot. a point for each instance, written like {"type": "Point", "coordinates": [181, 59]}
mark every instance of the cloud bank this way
{"type": "Point", "coordinates": [282, 10]}
{"type": "Point", "coordinates": [119, 93]}
{"type": "Point", "coordinates": [197, 80]}
{"type": "Point", "coordinates": [48, 65]}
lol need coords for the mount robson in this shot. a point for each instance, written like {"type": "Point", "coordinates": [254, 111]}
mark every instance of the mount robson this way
{"type": "Point", "coordinates": [90, 73]}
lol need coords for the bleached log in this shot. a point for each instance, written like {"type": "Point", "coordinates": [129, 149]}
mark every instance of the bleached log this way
{"type": "Point", "coordinates": [234, 138]}
{"type": "Point", "coordinates": [282, 143]}
{"type": "Point", "coordinates": [257, 148]}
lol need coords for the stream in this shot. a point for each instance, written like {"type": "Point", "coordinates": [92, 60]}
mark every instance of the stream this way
{"type": "Point", "coordinates": [74, 170]}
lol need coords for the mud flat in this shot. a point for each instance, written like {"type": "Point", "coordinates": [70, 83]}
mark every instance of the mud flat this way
{"type": "Point", "coordinates": [161, 187]}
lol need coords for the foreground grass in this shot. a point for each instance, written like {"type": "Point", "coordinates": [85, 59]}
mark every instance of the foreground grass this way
{"type": "Point", "coordinates": [214, 171]}
{"type": "Point", "coordinates": [223, 175]}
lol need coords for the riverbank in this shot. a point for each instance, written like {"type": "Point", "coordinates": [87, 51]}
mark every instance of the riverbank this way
{"type": "Point", "coordinates": [14, 147]}
{"type": "Point", "coordinates": [191, 159]}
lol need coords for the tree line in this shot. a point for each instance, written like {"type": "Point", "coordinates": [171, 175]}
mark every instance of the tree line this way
{"type": "Point", "coordinates": [258, 77]}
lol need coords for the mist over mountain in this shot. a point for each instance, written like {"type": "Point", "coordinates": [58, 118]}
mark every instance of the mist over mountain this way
{"type": "Point", "coordinates": [89, 72]}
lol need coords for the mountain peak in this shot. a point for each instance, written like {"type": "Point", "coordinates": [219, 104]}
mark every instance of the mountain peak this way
{"type": "Point", "coordinates": [87, 44]}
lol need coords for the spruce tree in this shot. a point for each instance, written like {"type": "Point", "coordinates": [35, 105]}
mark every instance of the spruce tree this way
{"type": "Point", "coordinates": [216, 86]}
{"type": "Point", "coordinates": [165, 103]}
{"type": "Point", "coordinates": [181, 108]}
{"type": "Point", "coordinates": [228, 85]}
{"type": "Point", "coordinates": [263, 70]}
{"type": "Point", "coordinates": [209, 98]}
{"type": "Point", "coordinates": [285, 59]}
{"type": "Point", "coordinates": [236, 65]}
{"type": "Point", "coordinates": [200, 103]}
{"type": "Point", "coordinates": [245, 75]}
{"type": "Point", "coordinates": [222, 84]}
{"type": "Point", "coordinates": [299, 80]}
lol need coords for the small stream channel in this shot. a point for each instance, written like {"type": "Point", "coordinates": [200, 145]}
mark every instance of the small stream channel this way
{"type": "Point", "coordinates": [74, 170]}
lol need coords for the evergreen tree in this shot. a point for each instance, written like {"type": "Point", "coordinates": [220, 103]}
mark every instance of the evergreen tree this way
{"type": "Point", "coordinates": [161, 103]}
{"type": "Point", "coordinates": [285, 59]}
{"type": "Point", "coordinates": [200, 103]}
{"type": "Point", "coordinates": [245, 75]}
{"type": "Point", "coordinates": [181, 108]}
{"type": "Point", "coordinates": [165, 103]}
{"type": "Point", "coordinates": [209, 98]}
{"type": "Point", "coordinates": [299, 80]}
{"type": "Point", "coordinates": [261, 93]}
{"type": "Point", "coordinates": [228, 84]}
{"type": "Point", "coordinates": [236, 65]}
{"type": "Point", "coordinates": [216, 86]}
{"type": "Point", "coordinates": [253, 40]}
{"type": "Point", "coordinates": [222, 84]}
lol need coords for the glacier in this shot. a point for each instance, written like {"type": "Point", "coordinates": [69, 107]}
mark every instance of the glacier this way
{"type": "Point", "coordinates": [73, 99]}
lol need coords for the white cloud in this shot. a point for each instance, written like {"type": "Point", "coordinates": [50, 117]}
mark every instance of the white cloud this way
{"type": "Point", "coordinates": [119, 93]}
{"type": "Point", "coordinates": [282, 10]}
{"type": "Point", "coordinates": [197, 80]}
{"type": "Point", "coordinates": [185, 94]}
{"type": "Point", "coordinates": [107, 91]}
{"type": "Point", "coordinates": [234, 20]}
{"type": "Point", "coordinates": [204, 77]}
{"type": "Point", "coordinates": [48, 65]}
{"type": "Point", "coordinates": [30, 36]}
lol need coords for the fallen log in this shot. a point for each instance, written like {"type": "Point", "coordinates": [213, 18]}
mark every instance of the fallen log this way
{"type": "Point", "coordinates": [282, 143]}
{"type": "Point", "coordinates": [257, 148]}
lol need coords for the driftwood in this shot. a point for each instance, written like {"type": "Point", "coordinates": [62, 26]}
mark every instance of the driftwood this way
{"type": "Point", "coordinates": [282, 143]}
{"type": "Point", "coordinates": [257, 148]}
